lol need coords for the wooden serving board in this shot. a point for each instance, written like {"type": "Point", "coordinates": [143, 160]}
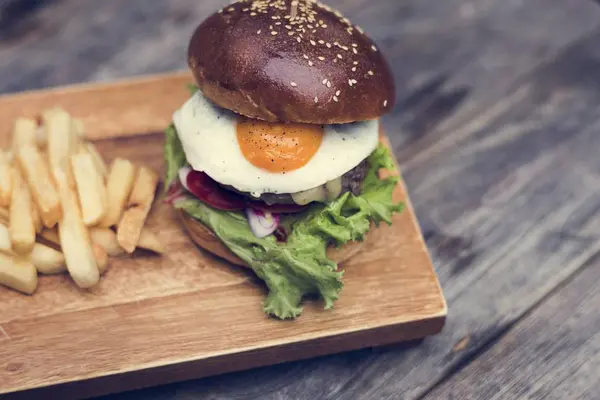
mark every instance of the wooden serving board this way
{"type": "Point", "coordinates": [186, 314]}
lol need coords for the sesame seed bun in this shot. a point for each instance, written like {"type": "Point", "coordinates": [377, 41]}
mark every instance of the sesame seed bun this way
{"type": "Point", "coordinates": [290, 61]}
{"type": "Point", "coordinates": [206, 239]}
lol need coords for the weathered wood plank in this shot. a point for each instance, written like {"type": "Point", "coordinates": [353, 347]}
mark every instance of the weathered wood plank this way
{"type": "Point", "coordinates": [498, 154]}
{"type": "Point", "coordinates": [554, 353]}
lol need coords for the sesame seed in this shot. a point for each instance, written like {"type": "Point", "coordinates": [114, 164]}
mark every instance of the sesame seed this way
{"type": "Point", "coordinates": [258, 31]}
{"type": "Point", "coordinates": [336, 44]}
{"type": "Point", "coordinates": [277, 23]}
{"type": "Point", "coordinates": [353, 69]}
{"type": "Point", "coordinates": [321, 42]}
{"type": "Point", "coordinates": [245, 9]}
{"type": "Point", "coordinates": [350, 82]}
{"type": "Point", "coordinates": [339, 56]}
{"type": "Point", "coordinates": [358, 28]}
{"type": "Point", "coordinates": [290, 33]}
{"type": "Point", "coordinates": [355, 62]}
{"type": "Point", "coordinates": [328, 84]}
{"type": "Point", "coordinates": [385, 103]}
{"type": "Point", "coordinates": [273, 33]}
{"type": "Point", "coordinates": [328, 45]}
{"type": "Point", "coordinates": [274, 17]}
{"type": "Point", "coordinates": [374, 48]}
{"type": "Point", "coordinates": [305, 56]}
{"type": "Point", "coordinates": [324, 26]}
{"type": "Point", "coordinates": [231, 9]}
{"type": "Point", "coordinates": [335, 99]}
{"type": "Point", "coordinates": [298, 39]}
{"type": "Point", "coordinates": [321, 58]}
{"type": "Point", "coordinates": [316, 99]}
{"type": "Point", "coordinates": [288, 27]}
{"type": "Point", "coordinates": [370, 73]}
{"type": "Point", "coordinates": [324, 81]}
{"type": "Point", "coordinates": [354, 81]}
{"type": "Point", "coordinates": [310, 63]}
{"type": "Point", "coordinates": [354, 50]}
{"type": "Point", "coordinates": [338, 92]}
{"type": "Point", "coordinates": [294, 84]}
{"type": "Point", "coordinates": [253, 14]}
{"type": "Point", "coordinates": [313, 42]}
{"type": "Point", "coordinates": [354, 45]}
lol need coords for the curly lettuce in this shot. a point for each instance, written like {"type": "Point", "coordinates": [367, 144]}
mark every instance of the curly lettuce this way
{"type": "Point", "coordinates": [299, 267]}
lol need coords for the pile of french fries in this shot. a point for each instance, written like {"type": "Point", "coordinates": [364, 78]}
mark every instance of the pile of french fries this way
{"type": "Point", "coordinates": [62, 209]}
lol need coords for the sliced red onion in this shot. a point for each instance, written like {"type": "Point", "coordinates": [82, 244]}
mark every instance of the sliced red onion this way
{"type": "Point", "coordinates": [262, 223]}
{"type": "Point", "coordinates": [175, 192]}
{"type": "Point", "coordinates": [183, 174]}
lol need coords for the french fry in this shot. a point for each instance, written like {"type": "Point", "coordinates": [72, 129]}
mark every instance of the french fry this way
{"type": "Point", "coordinates": [35, 171]}
{"type": "Point", "coordinates": [107, 239]}
{"type": "Point", "coordinates": [21, 225]}
{"type": "Point", "coordinates": [51, 235]}
{"type": "Point", "coordinates": [138, 207]}
{"type": "Point", "coordinates": [41, 137]}
{"type": "Point", "coordinates": [4, 215]}
{"type": "Point", "coordinates": [119, 185]}
{"type": "Point", "coordinates": [24, 133]}
{"type": "Point", "coordinates": [5, 243]}
{"type": "Point", "coordinates": [37, 220]}
{"type": "Point", "coordinates": [90, 188]}
{"type": "Point", "coordinates": [74, 237]}
{"type": "Point", "coordinates": [5, 179]}
{"type": "Point", "coordinates": [98, 160]}
{"type": "Point", "coordinates": [46, 260]}
{"type": "Point", "coordinates": [18, 273]}
{"type": "Point", "coordinates": [101, 258]}
{"type": "Point", "coordinates": [79, 129]}
{"type": "Point", "coordinates": [60, 142]}
{"type": "Point", "coordinates": [149, 241]}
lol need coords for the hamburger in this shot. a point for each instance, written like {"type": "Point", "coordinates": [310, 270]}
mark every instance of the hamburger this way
{"type": "Point", "coordinates": [273, 162]}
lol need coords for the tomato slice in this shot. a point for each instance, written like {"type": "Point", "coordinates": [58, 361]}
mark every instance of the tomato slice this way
{"type": "Point", "coordinates": [209, 191]}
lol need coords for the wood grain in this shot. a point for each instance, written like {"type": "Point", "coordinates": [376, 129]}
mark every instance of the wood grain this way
{"type": "Point", "coordinates": [188, 314]}
{"type": "Point", "coordinates": [554, 353]}
{"type": "Point", "coordinates": [495, 132]}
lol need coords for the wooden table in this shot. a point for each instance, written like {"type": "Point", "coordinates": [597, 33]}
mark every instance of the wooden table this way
{"type": "Point", "coordinates": [498, 135]}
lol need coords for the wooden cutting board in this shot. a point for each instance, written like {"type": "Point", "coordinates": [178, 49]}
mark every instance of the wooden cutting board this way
{"type": "Point", "coordinates": [186, 314]}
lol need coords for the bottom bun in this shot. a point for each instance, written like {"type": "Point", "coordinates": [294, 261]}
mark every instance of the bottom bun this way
{"type": "Point", "coordinates": [206, 239]}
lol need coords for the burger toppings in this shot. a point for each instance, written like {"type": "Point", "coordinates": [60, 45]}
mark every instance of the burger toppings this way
{"type": "Point", "coordinates": [292, 259]}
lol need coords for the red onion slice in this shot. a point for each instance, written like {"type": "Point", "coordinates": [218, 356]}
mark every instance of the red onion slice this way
{"type": "Point", "coordinates": [261, 223]}
{"type": "Point", "coordinates": [183, 174]}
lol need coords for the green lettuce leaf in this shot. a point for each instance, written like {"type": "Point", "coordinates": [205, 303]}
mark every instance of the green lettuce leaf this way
{"type": "Point", "coordinates": [192, 88]}
{"type": "Point", "coordinates": [290, 271]}
{"type": "Point", "coordinates": [299, 267]}
{"type": "Point", "coordinates": [173, 155]}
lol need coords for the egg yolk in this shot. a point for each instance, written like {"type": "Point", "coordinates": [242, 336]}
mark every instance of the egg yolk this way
{"type": "Point", "coordinates": [278, 147]}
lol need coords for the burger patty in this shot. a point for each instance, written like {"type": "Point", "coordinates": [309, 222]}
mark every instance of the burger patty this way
{"type": "Point", "coordinates": [351, 182]}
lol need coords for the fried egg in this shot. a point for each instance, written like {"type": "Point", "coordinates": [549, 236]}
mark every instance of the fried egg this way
{"type": "Point", "coordinates": [260, 157]}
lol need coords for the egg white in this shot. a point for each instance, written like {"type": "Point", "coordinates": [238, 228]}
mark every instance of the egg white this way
{"type": "Point", "coordinates": [208, 136]}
